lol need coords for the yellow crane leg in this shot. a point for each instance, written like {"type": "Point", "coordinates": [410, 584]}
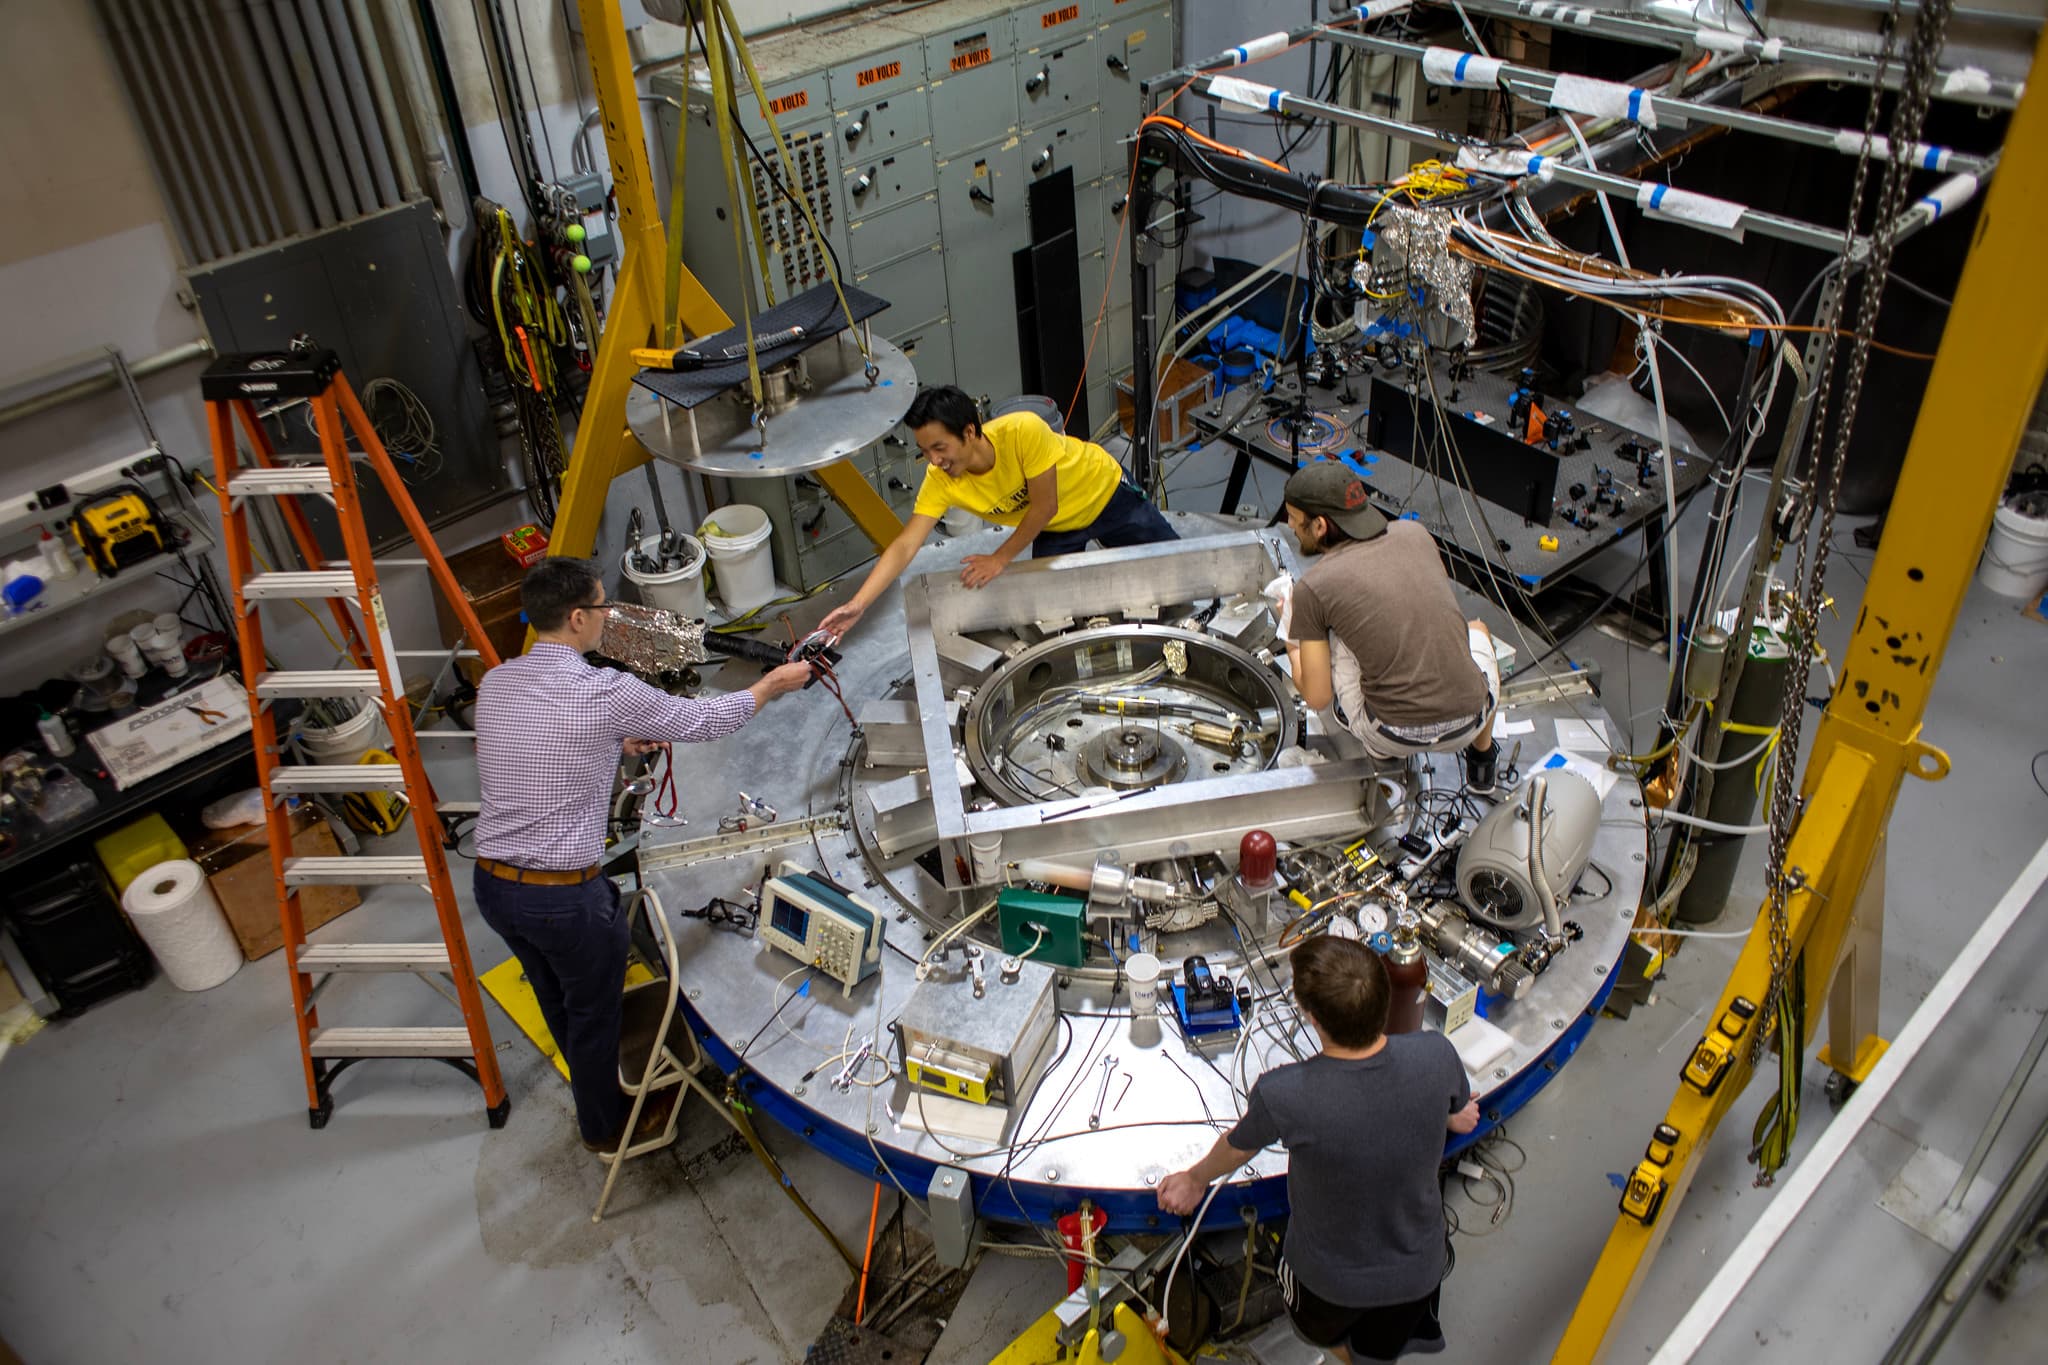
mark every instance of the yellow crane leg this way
{"type": "Point", "coordinates": [1993, 356]}
{"type": "Point", "coordinates": [1039, 1345]}
{"type": "Point", "coordinates": [605, 448]}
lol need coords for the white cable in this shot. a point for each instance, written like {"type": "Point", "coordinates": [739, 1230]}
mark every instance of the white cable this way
{"type": "Point", "coordinates": [1714, 825]}
{"type": "Point", "coordinates": [1729, 574]}
{"type": "Point", "coordinates": [1166, 1296]}
{"type": "Point", "coordinates": [1763, 744]}
{"type": "Point", "coordinates": [924, 963]}
{"type": "Point", "coordinates": [1670, 547]}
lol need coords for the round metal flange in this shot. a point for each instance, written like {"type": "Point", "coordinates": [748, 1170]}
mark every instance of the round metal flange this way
{"type": "Point", "coordinates": [819, 419]}
{"type": "Point", "coordinates": [1132, 759]}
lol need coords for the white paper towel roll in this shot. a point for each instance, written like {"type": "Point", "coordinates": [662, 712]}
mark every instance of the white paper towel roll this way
{"type": "Point", "coordinates": [174, 910]}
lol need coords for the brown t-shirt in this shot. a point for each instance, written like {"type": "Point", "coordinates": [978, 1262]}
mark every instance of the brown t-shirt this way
{"type": "Point", "coordinates": [1390, 601]}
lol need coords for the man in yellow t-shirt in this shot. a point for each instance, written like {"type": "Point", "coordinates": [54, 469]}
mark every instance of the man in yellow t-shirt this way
{"type": "Point", "coordinates": [1058, 492]}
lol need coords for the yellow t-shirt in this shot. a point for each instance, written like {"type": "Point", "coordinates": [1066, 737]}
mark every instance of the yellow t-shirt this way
{"type": "Point", "coordinates": [1025, 448]}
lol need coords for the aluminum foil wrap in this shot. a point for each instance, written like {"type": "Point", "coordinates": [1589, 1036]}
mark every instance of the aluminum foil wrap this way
{"type": "Point", "coordinates": [1414, 248]}
{"type": "Point", "coordinates": [655, 644]}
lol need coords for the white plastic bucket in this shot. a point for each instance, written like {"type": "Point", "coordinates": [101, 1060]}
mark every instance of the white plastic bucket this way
{"type": "Point", "coordinates": [736, 538]}
{"type": "Point", "coordinates": [679, 590]}
{"type": "Point", "coordinates": [346, 742]}
{"type": "Point", "coordinates": [2016, 557]}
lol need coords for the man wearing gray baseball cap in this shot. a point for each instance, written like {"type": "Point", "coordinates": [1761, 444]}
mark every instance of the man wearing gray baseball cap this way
{"type": "Point", "coordinates": [1373, 626]}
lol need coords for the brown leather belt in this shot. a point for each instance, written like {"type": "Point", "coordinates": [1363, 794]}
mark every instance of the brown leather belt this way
{"type": "Point", "coordinates": [537, 876]}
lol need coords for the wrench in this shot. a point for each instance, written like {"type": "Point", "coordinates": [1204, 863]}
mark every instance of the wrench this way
{"type": "Point", "coordinates": [1102, 1094]}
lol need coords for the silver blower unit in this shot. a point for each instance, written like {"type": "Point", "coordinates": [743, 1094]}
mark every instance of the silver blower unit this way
{"type": "Point", "coordinates": [1501, 880]}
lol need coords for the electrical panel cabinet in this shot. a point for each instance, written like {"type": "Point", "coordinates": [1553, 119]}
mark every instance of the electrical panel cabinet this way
{"type": "Point", "coordinates": [917, 135]}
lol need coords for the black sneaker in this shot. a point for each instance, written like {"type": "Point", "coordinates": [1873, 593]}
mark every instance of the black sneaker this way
{"type": "Point", "coordinates": [1479, 769]}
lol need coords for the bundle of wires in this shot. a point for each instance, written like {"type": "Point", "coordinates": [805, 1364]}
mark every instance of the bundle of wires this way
{"type": "Point", "coordinates": [511, 293]}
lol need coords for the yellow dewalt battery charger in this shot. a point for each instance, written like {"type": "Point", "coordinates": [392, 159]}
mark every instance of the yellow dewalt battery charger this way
{"type": "Point", "coordinates": [117, 528]}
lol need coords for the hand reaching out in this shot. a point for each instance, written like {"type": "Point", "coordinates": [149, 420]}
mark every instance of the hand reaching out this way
{"type": "Point", "coordinates": [980, 570]}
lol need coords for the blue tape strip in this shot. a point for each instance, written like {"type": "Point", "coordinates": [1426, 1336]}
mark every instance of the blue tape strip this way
{"type": "Point", "coordinates": [1241, 55]}
{"type": "Point", "coordinates": [1932, 203]}
{"type": "Point", "coordinates": [1932, 161]}
{"type": "Point", "coordinates": [1531, 579]}
{"type": "Point", "coordinates": [1535, 164]}
{"type": "Point", "coordinates": [1273, 101]}
{"type": "Point", "coordinates": [1458, 72]}
{"type": "Point", "coordinates": [1657, 195]}
{"type": "Point", "coordinates": [1756, 338]}
{"type": "Point", "coordinates": [1635, 106]}
{"type": "Point", "coordinates": [1349, 459]}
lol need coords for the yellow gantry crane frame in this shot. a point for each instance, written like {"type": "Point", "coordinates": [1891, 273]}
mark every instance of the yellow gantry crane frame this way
{"type": "Point", "coordinates": [1986, 376]}
{"type": "Point", "coordinates": [605, 448]}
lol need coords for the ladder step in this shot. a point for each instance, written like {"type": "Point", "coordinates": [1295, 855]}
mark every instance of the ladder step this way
{"type": "Point", "coordinates": [436, 653]}
{"type": "Point", "coordinates": [460, 807]}
{"type": "Point", "coordinates": [325, 682]}
{"type": "Point", "coordinates": [337, 777]}
{"type": "Point", "coordinates": [353, 871]}
{"type": "Point", "coordinates": [321, 583]}
{"type": "Point", "coordinates": [382, 563]}
{"type": "Point", "coordinates": [279, 483]}
{"type": "Point", "coordinates": [391, 1042]}
{"type": "Point", "coordinates": [374, 957]}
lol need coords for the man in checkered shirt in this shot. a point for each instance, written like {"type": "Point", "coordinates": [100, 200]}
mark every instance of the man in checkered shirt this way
{"type": "Point", "coordinates": [550, 729]}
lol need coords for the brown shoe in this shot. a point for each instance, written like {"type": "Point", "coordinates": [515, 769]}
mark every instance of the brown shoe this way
{"type": "Point", "coordinates": [654, 1117]}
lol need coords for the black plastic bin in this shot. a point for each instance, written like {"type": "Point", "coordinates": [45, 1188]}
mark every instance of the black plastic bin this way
{"type": "Point", "coordinates": [71, 929]}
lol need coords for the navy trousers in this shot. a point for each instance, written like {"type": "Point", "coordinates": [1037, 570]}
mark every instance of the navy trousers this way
{"type": "Point", "coordinates": [1126, 519]}
{"type": "Point", "coordinates": [571, 941]}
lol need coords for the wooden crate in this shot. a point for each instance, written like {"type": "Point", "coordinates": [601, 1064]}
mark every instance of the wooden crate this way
{"type": "Point", "coordinates": [490, 580]}
{"type": "Point", "coordinates": [1186, 388]}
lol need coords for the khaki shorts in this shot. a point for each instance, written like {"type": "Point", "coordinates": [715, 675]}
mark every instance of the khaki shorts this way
{"type": "Point", "coordinates": [1386, 742]}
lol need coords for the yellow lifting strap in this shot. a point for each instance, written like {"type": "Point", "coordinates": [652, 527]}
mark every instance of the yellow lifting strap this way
{"type": "Point", "coordinates": [789, 175]}
{"type": "Point", "coordinates": [672, 276]}
{"type": "Point", "coordinates": [721, 108]}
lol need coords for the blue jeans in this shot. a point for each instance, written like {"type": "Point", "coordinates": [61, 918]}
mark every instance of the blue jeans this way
{"type": "Point", "coordinates": [1126, 519]}
{"type": "Point", "coordinates": [571, 941]}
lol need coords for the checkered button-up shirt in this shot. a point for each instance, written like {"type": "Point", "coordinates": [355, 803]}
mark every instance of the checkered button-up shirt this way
{"type": "Point", "coordinates": [549, 729]}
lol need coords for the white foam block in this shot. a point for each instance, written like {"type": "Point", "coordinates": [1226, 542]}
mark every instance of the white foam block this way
{"type": "Point", "coordinates": [1480, 1044]}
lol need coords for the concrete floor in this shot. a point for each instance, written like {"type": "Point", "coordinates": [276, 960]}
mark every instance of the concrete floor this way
{"type": "Point", "coordinates": [161, 1195]}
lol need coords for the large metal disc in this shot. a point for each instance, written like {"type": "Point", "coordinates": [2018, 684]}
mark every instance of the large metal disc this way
{"type": "Point", "coordinates": [838, 415]}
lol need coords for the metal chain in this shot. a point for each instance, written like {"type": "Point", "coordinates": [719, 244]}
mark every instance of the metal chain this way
{"type": "Point", "coordinates": [1825, 480]}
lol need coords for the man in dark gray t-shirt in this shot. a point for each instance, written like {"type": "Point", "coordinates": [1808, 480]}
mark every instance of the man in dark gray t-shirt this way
{"type": "Point", "coordinates": [1363, 1124]}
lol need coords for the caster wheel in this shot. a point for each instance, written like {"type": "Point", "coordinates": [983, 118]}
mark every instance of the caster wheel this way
{"type": "Point", "coordinates": [1839, 1089]}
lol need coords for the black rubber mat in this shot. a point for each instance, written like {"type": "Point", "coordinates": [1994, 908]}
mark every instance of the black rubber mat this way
{"type": "Point", "coordinates": [816, 310]}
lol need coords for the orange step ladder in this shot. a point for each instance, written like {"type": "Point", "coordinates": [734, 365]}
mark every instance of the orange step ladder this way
{"type": "Point", "coordinates": [232, 386]}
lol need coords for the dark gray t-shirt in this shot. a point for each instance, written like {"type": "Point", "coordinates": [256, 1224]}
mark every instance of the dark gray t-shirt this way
{"type": "Point", "coordinates": [1363, 1140]}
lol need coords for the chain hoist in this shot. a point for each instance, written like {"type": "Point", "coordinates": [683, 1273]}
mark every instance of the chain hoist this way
{"type": "Point", "coordinates": [1784, 1003]}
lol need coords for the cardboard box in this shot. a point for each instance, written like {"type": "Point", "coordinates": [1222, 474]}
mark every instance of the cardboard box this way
{"type": "Point", "coordinates": [528, 545]}
{"type": "Point", "coordinates": [237, 865]}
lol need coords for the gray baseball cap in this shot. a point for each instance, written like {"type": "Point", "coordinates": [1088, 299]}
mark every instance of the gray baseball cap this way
{"type": "Point", "coordinates": [1329, 489]}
